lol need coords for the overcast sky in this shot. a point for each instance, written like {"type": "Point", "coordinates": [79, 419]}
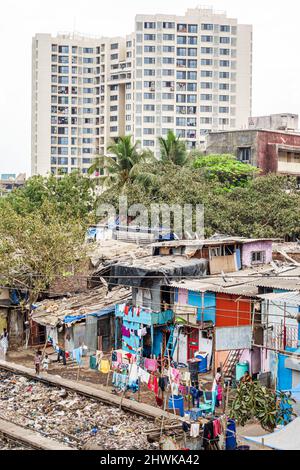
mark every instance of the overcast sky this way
{"type": "Point", "coordinates": [276, 69]}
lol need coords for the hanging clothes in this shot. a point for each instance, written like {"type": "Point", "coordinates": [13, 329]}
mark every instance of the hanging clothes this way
{"type": "Point", "coordinates": [133, 373]}
{"type": "Point", "coordinates": [151, 364]}
{"type": "Point", "coordinates": [163, 383]}
{"type": "Point", "coordinates": [104, 366]}
{"type": "Point", "coordinates": [77, 355]}
{"type": "Point", "coordinates": [153, 384]}
{"type": "Point", "coordinates": [125, 332]}
{"type": "Point", "coordinates": [217, 427]}
{"type": "Point", "coordinates": [143, 375]}
{"type": "Point", "coordinates": [175, 374]}
{"type": "Point", "coordinates": [195, 430]}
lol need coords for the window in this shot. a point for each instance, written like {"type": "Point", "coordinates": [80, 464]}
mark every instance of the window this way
{"type": "Point", "coordinates": [224, 40]}
{"type": "Point", "coordinates": [168, 96]}
{"type": "Point", "coordinates": [223, 121]}
{"type": "Point", "coordinates": [192, 40]}
{"type": "Point", "coordinates": [167, 72]}
{"type": "Point", "coordinates": [168, 49]}
{"type": "Point", "coordinates": [193, 28]}
{"type": "Point", "coordinates": [168, 25]}
{"type": "Point", "coordinates": [180, 121]}
{"type": "Point", "coordinates": [180, 109]}
{"type": "Point", "coordinates": [149, 25]}
{"type": "Point", "coordinates": [225, 28]}
{"type": "Point", "coordinates": [182, 28]}
{"type": "Point", "coordinates": [168, 60]}
{"type": "Point", "coordinates": [181, 62]}
{"type": "Point", "coordinates": [63, 69]}
{"type": "Point", "coordinates": [168, 108]}
{"type": "Point", "coordinates": [149, 37]}
{"type": "Point", "coordinates": [149, 60]}
{"type": "Point", "coordinates": [148, 131]}
{"type": "Point", "coordinates": [224, 98]}
{"type": "Point", "coordinates": [224, 74]}
{"type": "Point", "coordinates": [206, 84]}
{"type": "Point", "coordinates": [192, 75]}
{"type": "Point", "coordinates": [114, 46]}
{"type": "Point", "coordinates": [149, 72]}
{"type": "Point", "coordinates": [205, 109]}
{"type": "Point", "coordinates": [223, 109]}
{"type": "Point", "coordinates": [63, 49]}
{"type": "Point", "coordinates": [149, 118]}
{"type": "Point", "coordinates": [192, 52]}
{"type": "Point", "coordinates": [244, 154]}
{"type": "Point", "coordinates": [149, 96]}
{"type": "Point", "coordinates": [224, 51]}
{"type": "Point", "coordinates": [206, 73]}
{"type": "Point", "coordinates": [191, 99]}
{"type": "Point", "coordinates": [181, 39]}
{"type": "Point", "coordinates": [192, 87]}
{"type": "Point", "coordinates": [258, 257]}
{"type": "Point", "coordinates": [149, 48]}
{"type": "Point", "coordinates": [207, 38]}
{"type": "Point", "coordinates": [180, 98]}
{"type": "Point", "coordinates": [168, 37]}
{"type": "Point", "coordinates": [181, 51]}
{"type": "Point", "coordinates": [149, 107]}
{"type": "Point", "coordinates": [114, 56]}
{"type": "Point", "coordinates": [206, 50]}
{"type": "Point", "coordinates": [167, 119]}
{"type": "Point", "coordinates": [207, 27]}
{"type": "Point", "coordinates": [223, 86]}
{"type": "Point", "coordinates": [180, 133]}
{"type": "Point", "coordinates": [148, 143]}
{"type": "Point", "coordinates": [224, 63]}
{"type": "Point", "coordinates": [206, 61]}
{"type": "Point", "coordinates": [192, 64]}
{"type": "Point", "coordinates": [205, 97]}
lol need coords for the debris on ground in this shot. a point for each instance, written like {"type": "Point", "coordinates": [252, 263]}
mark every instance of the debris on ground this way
{"type": "Point", "coordinates": [70, 418]}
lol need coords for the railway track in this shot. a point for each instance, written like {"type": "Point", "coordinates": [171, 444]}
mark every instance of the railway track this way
{"type": "Point", "coordinates": [62, 414]}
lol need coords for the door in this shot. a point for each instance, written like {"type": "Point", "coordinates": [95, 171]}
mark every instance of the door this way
{"type": "Point", "coordinates": [193, 342]}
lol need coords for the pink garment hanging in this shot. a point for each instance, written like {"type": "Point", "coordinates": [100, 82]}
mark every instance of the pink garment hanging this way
{"type": "Point", "coordinates": [217, 427]}
{"type": "Point", "coordinates": [153, 384]}
{"type": "Point", "coordinates": [175, 375]}
{"type": "Point", "coordinates": [151, 364]}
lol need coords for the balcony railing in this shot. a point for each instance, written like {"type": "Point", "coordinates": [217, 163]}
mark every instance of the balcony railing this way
{"type": "Point", "coordinates": [143, 316]}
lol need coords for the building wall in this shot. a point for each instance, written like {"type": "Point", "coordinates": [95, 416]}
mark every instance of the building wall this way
{"type": "Point", "coordinates": [229, 142]}
{"type": "Point", "coordinates": [287, 121]}
{"type": "Point", "coordinates": [160, 77]}
{"type": "Point", "coordinates": [267, 153]}
{"type": "Point", "coordinates": [232, 310]}
{"type": "Point", "coordinates": [257, 246]}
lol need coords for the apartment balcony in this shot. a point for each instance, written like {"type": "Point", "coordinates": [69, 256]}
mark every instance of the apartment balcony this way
{"type": "Point", "coordinates": [144, 316]}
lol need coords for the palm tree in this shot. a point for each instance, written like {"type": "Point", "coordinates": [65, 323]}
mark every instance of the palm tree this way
{"type": "Point", "coordinates": [173, 150]}
{"type": "Point", "coordinates": [125, 165]}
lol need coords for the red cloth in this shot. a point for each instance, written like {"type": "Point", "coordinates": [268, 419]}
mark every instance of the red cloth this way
{"type": "Point", "coordinates": [217, 427]}
{"type": "Point", "coordinates": [153, 384]}
{"type": "Point", "coordinates": [126, 309]}
{"type": "Point", "coordinates": [159, 401]}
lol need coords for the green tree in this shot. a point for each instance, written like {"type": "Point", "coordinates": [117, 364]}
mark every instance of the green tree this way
{"type": "Point", "coordinates": [71, 195]}
{"type": "Point", "coordinates": [173, 150]}
{"type": "Point", "coordinates": [225, 169]}
{"type": "Point", "coordinates": [127, 164]}
{"type": "Point", "coordinates": [37, 247]}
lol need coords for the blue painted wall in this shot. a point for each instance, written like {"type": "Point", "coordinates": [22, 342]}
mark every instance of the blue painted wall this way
{"type": "Point", "coordinates": [284, 376]}
{"type": "Point", "coordinates": [195, 300]}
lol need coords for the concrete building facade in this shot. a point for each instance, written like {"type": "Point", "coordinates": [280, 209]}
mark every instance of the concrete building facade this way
{"type": "Point", "coordinates": [191, 74]}
{"type": "Point", "coordinates": [276, 122]}
{"type": "Point", "coordinates": [271, 151]}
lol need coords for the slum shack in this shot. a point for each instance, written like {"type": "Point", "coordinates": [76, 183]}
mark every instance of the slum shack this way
{"type": "Point", "coordinates": [150, 312]}
{"type": "Point", "coordinates": [83, 319]}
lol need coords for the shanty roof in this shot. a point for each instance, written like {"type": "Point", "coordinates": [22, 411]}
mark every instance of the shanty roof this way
{"type": "Point", "coordinates": [292, 298]}
{"type": "Point", "coordinates": [52, 312]}
{"type": "Point", "coordinates": [110, 251]}
{"type": "Point", "coordinates": [140, 271]}
{"type": "Point", "coordinates": [232, 287]}
{"type": "Point", "coordinates": [278, 283]}
{"type": "Point", "coordinates": [210, 242]}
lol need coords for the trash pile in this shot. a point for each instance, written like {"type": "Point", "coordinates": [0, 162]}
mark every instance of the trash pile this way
{"type": "Point", "coordinates": [8, 444]}
{"type": "Point", "coordinates": [70, 418]}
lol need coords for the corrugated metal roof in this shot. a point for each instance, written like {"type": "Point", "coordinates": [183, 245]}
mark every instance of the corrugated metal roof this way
{"type": "Point", "coordinates": [292, 298]}
{"type": "Point", "coordinates": [52, 312]}
{"type": "Point", "coordinates": [218, 285]}
{"type": "Point", "coordinates": [292, 284]}
{"type": "Point", "coordinates": [211, 242]}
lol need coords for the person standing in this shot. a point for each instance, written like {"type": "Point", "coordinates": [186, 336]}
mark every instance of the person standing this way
{"type": "Point", "coordinates": [37, 361]}
{"type": "Point", "coordinates": [4, 342]}
{"type": "Point", "coordinates": [45, 363]}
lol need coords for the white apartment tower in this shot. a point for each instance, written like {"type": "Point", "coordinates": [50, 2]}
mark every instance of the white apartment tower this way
{"type": "Point", "coordinates": [191, 74]}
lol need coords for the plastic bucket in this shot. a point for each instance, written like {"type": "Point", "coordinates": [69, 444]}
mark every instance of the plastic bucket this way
{"type": "Point", "coordinates": [177, 402]}
{"type": "Point", "coordinates": [240, 370]}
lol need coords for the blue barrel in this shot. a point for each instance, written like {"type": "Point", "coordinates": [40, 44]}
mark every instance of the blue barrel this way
{"type": "Point", "coordinates": [203, 363]}
{"type": "Point", "coordinates": [230, 435]}
{"type": "Point", "coordinates": [178, 404]}
{"type": "Point", "coordinates": [240, 370]}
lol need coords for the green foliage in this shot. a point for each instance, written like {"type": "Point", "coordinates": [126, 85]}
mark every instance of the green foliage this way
{"type": "Point", "coordinates": [173, 150]}
{"type": "Point", "coordinates": [126, 164]}
{"type": "Point", "coordinates": [71, 195]}
{"type": "Point", "coordinates": [253, 400]}
{"type": "Point", "coordinates": [225, 169]}
{"type": "Point", "coordinates": [38, 246]}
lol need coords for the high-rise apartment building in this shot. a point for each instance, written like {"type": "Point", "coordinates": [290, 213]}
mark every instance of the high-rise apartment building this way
{"type": "Point", "coordinates": [191, 74]}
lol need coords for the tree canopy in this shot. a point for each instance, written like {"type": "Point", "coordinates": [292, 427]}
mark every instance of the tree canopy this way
{"type": "Point", "coordinates": [225, 169]}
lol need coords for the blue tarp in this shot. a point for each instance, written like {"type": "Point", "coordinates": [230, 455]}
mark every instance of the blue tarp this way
{"type": "Point", "coordinates": [295, 392]}
{"type": "Point", "coordinates": [100, 313]}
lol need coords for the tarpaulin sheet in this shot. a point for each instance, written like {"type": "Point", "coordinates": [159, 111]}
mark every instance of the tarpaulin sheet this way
{"type": "Point", "coordinates": [101, 313]}
{"type": "Point", "coordinates": [137, 276]}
